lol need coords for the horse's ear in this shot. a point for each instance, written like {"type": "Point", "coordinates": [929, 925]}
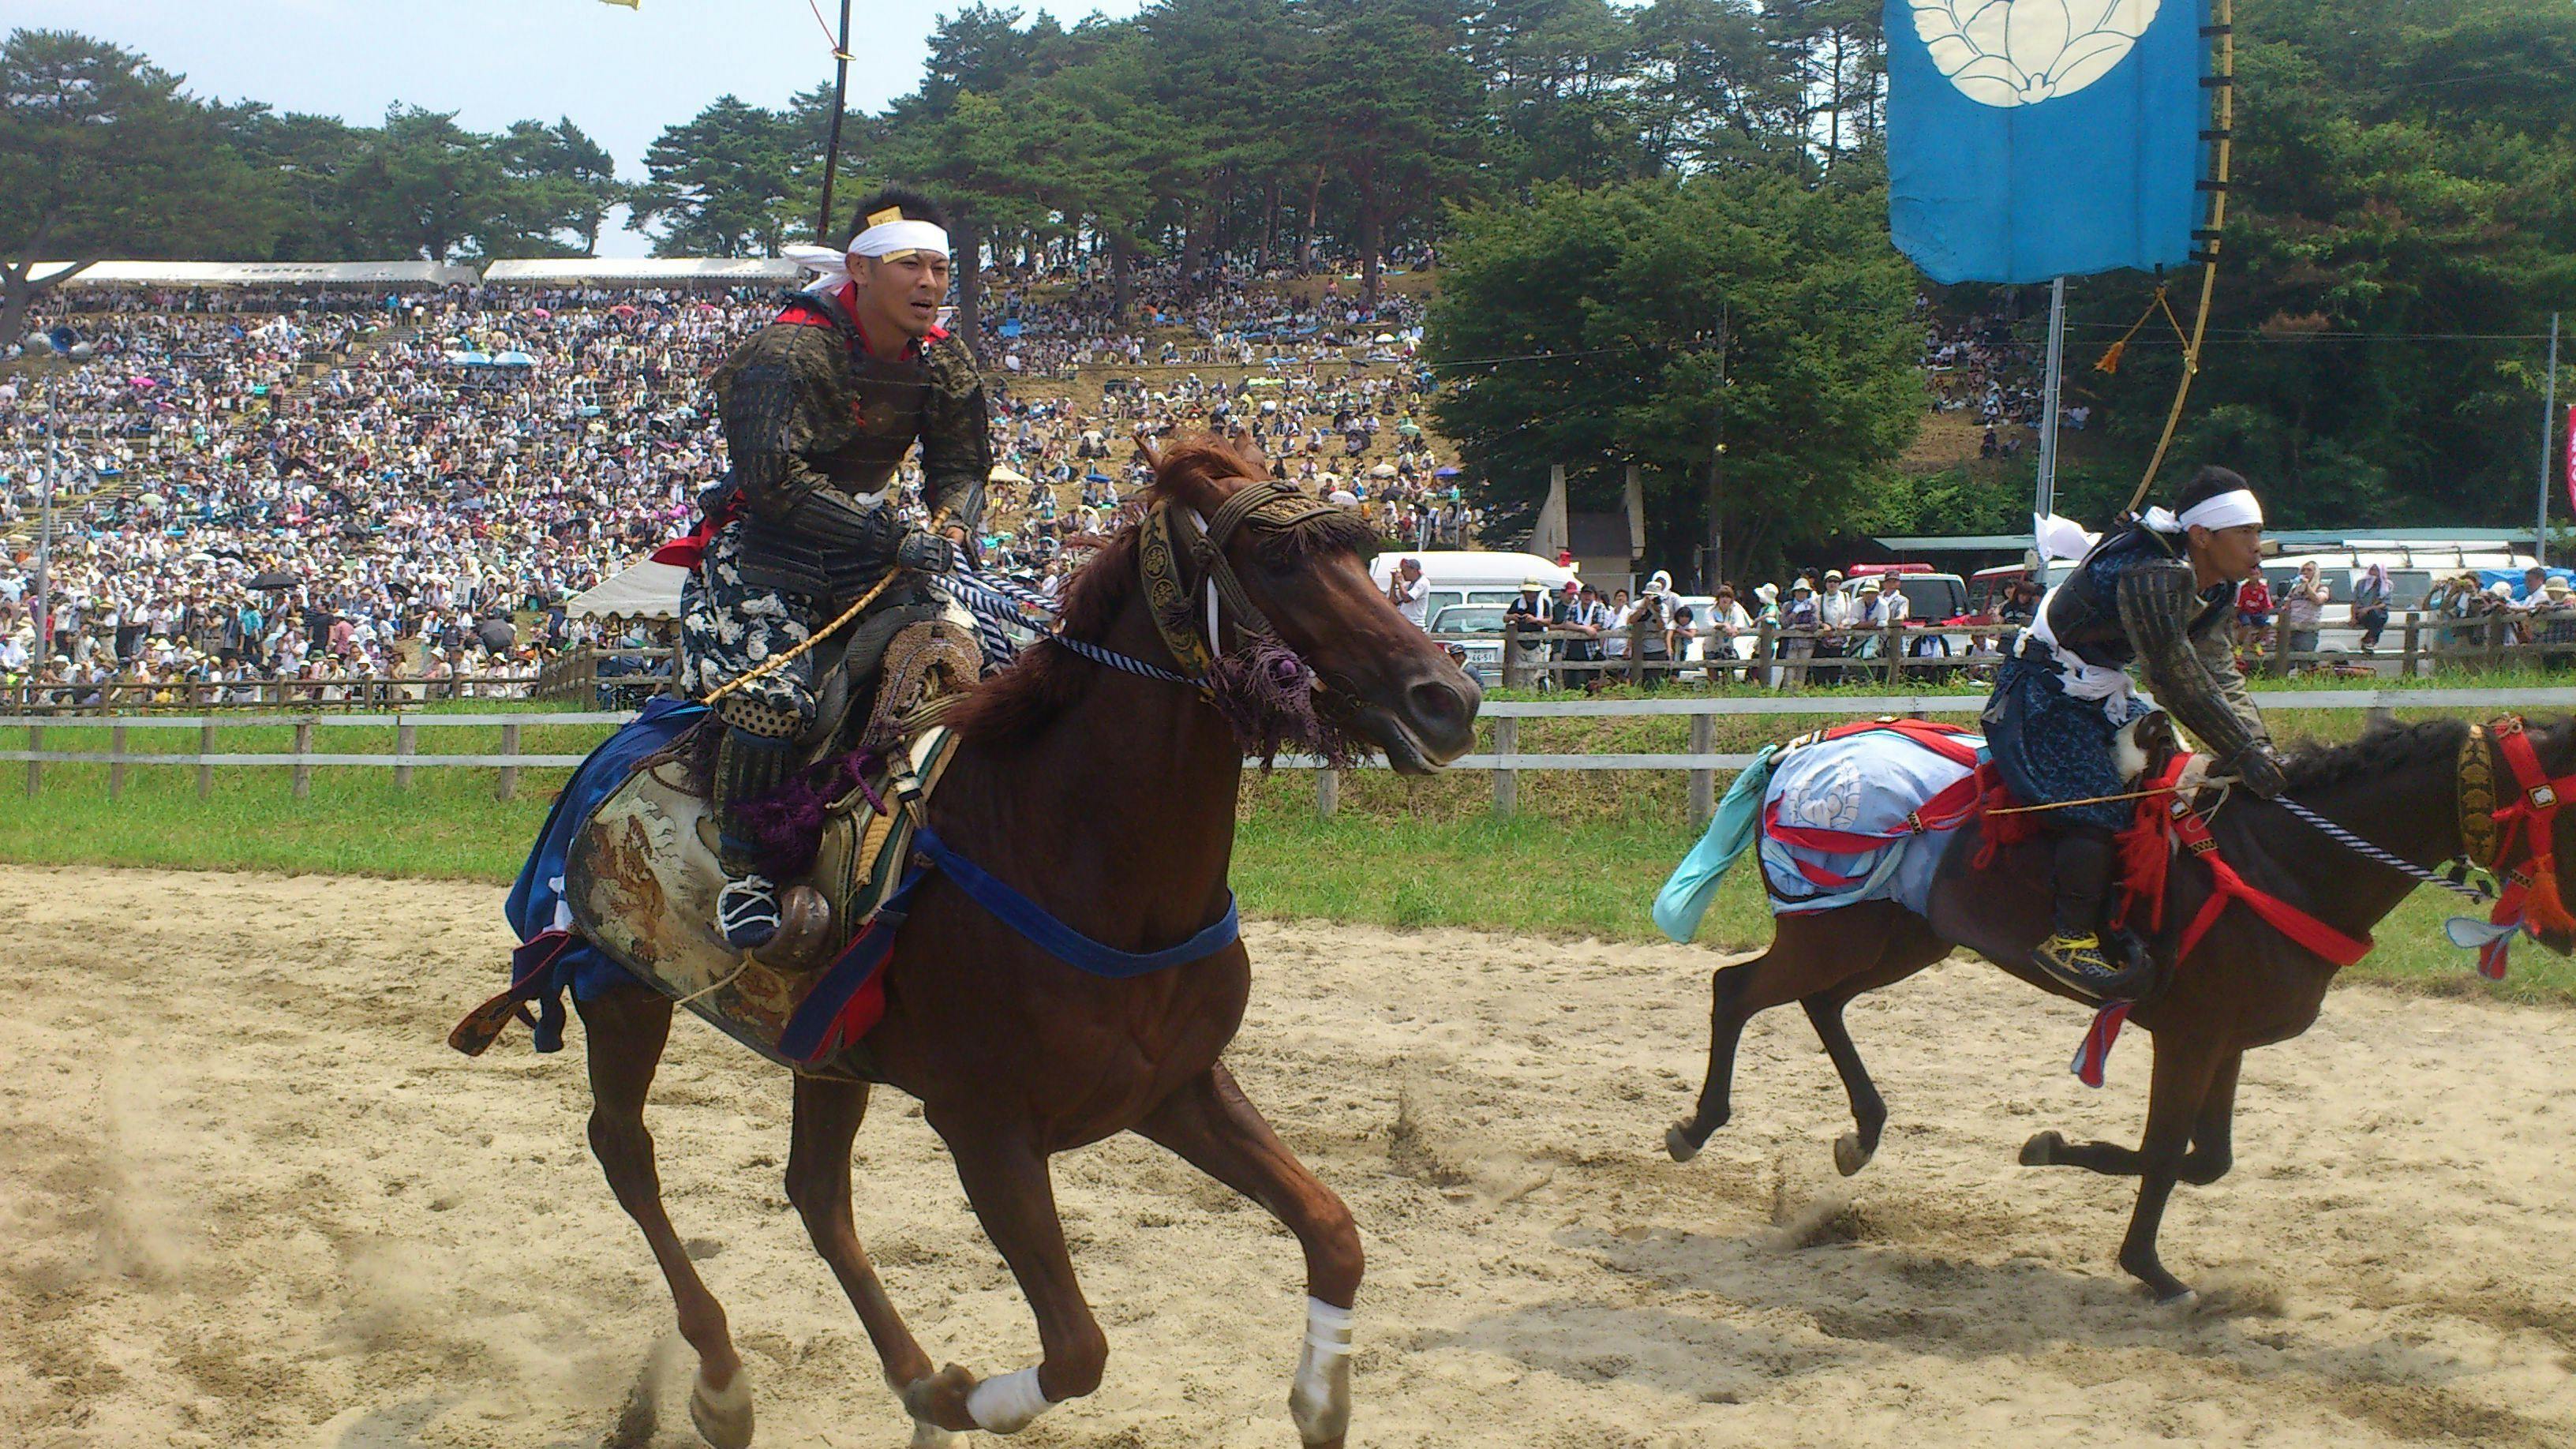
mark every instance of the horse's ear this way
{"type": "Point", "coordinates": [1147, 449]}
{"type": "Point", "coordinates": [1247, 451]}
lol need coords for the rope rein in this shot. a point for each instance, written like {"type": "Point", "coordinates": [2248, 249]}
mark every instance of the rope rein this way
{"type": "Point", "coordinates": [2341, 836]}
{"type": "Point", "coordinates": [2368, 851]}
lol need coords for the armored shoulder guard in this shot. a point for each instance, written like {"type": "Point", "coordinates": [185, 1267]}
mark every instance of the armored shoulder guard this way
{"type": "Point", "coordinates": [779, 396]}
{"type": "Point", "coordinates": [2159, 608]}
{"type": "Point", "coordinates": [956, 438]}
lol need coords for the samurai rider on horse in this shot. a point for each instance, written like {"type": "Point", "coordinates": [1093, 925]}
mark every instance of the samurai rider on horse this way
{"type": "Point", "coordinates": [2159, 593]}
{"type": "Point", "coordinates": [819, 408]}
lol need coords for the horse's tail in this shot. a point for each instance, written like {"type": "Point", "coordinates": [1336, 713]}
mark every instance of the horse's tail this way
{"type": "Point", "coordinates": [1685, 897]}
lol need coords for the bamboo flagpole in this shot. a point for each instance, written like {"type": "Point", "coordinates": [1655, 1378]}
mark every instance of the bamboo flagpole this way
{"type": "Point", "coordinates": [2548, 421]}
{"type": "Point", "coordinates": [2221, 134]}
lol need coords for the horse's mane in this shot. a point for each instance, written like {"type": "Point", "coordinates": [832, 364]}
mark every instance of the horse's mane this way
{"type": "Point", "coordinates": [2379, 752]}
{"type": "Point", "coordinates": [1009, 709]}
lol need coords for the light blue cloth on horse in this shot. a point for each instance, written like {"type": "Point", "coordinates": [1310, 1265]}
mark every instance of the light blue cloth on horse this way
{"type": "Point", "coordinates": [1685, 897]}
{"type": "Point", "coordinates": [1866, 784]}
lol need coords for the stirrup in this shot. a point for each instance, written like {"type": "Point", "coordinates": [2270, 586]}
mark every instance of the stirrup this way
{"type": "Point", "coordinates": [747, 911]}
{"type": "Point", "coordinates": [2081, 965]}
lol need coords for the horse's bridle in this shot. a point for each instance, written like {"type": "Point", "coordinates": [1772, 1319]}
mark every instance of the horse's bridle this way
{"type": "Point", "coordinates": [2491, 828]}
{"type": "Point", "coordinates": [1173, 542]}
{"type": "Point", "coordinates": [2512, 840]}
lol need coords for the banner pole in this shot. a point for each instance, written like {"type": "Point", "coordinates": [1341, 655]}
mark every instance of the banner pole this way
{"type": "Point", "coordinates": [840, 103]}
{"type": "Point", "coordinates": [2045, 503]}
{"type": "Point", "coordinates": [2548, 427]}
{"type": "Point", "coordinates": [2223, 80]}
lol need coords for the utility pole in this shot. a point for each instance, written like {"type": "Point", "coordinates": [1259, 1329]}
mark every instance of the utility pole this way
{"type": "Point", "coordinates": [2548, 433]}
{"type": "Point", "coordinates": [1716, 571]}
{"type": "Point", "coordinates": [45, 557]}
{"type": "Point", "coordinates": [2044, 502]}
{"type": "Point", "coordinates": [840, 100]}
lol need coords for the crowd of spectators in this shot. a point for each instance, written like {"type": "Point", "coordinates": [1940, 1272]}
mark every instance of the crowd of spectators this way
{"type": "Point", "coordinates": [354, 490]}
{"type": "Point", "coordinates": [1976, 367]}
{"type": "Point", "coordinates": [316, 485]}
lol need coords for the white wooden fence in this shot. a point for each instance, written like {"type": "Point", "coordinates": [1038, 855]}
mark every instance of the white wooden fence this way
{"type": "Point", "coordinates": [1506, 761]}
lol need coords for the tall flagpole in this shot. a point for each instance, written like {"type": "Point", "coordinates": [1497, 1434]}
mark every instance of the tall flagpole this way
{"type": "Point", "coordinates": [840, 103]}
{"type": "Point", "coordinates": [2045, 502]}
{"type": "Point", "coordinates": [2548, 432]}
{"type": "Point", "coordinates": [45, 556]}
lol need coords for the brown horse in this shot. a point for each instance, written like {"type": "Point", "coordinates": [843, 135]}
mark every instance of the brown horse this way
{"type": "Point", "coordinates": [2245, 985]}
{"type": "Point", "coordinates": [1110, 798]}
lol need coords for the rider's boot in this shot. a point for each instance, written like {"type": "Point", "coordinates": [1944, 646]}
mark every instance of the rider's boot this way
{"type": "Point", "coordinates": [2075, 955]}
{"type": "Point", "coordinates": [749, 767]}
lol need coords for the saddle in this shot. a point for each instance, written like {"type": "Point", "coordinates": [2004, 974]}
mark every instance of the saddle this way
{"type": "Point", "coordinates": [2000, 862]}
{"type": "Point", "coordinates": [641, 877]}
{"type": "Point", "coordinates": [641, 885]}
{"type": "Point", "coordinates": [898, 659]}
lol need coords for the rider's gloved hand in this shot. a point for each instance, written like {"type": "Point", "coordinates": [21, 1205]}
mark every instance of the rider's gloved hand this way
{"type": "Point", "coordinates": [2257, 767]}
{"type": "Point", "coordinates": [926, 552]}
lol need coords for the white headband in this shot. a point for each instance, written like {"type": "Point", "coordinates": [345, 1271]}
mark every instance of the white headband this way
{"type": "Point", "coordinates": [885, 239]}
{"type": "Point", "coordinates": [889, 237]}
{"type": "Point", "coordinates": [2227, 510]}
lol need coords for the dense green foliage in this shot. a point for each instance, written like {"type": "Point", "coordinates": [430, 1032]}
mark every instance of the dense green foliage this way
{"type": "Point", "coordinates": [104, 154]}
{"type": "Point", "coordinates": [1622, 321]}
{"type": "Point", "coordinates": [2402, 225]}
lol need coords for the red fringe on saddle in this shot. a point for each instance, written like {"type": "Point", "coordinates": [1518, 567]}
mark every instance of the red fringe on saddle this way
{"type": "Point", "coordinates": [2145, 850]}
{"type": "Point", "coordinates": [2003, 832]}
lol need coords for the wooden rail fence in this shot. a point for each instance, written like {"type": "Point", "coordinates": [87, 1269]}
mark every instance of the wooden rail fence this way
{"type": "Point", "coordinates": [1505, 762]}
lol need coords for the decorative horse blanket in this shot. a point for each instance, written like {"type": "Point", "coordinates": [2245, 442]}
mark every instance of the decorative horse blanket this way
{"type": "Point", "coordinates": [640, 883]}
{"type": "Point", "coordinates": [621, 887]}
{"type": "Point", "coordinates": [1855, 813]}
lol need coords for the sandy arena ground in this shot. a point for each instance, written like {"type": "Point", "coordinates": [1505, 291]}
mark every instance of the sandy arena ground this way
{"type": "Point", "coordinates": [248, 1196]}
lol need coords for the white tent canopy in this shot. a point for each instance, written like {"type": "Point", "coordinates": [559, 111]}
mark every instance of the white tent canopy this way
{"type": "Point", "coordinates": [259, 274]}
{"type": "Point", "coordinates": [614, 271]}
{"type": "Point", "coordinates": [642, 590]}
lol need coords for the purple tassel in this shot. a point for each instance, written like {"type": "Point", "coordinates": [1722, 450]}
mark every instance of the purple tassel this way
{"type": "Point", "coordinates": [787, 824]}
{"type": "Point", "coordinates": [1268, 695]}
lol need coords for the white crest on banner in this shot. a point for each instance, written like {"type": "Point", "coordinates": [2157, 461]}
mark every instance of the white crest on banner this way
{"type": "Point", "coordinates": [2023, 52]}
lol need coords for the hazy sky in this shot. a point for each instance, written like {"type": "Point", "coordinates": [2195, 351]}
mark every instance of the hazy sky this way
{"type": "Point", "coordinates": [622, 75]}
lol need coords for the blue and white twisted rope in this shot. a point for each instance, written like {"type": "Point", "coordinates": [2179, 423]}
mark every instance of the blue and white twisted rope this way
{"type": "Point", "coordinates": [2368, 851]}
{"type": "Point", "coordinates": [1116, 660]}
{"type": "Point", "coordinates": [1000, 607]}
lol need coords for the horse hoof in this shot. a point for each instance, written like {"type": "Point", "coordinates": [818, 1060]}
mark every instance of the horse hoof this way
{"type": "Point", "coordinates": [931, 1436]}
{"type": "Point", "coordinates": [2184, 1299]}
{"type": "Point", "coordinates": [723, 1416]}
{"type": "Point", "coordinates": [1849, 1155]}
{"type": "Point", "coordinates": [2041, 1150]}
{"type": "Point", "coordinates": [1677, 1141]}
{"type": "Point", "coordinates": [938, 1403]}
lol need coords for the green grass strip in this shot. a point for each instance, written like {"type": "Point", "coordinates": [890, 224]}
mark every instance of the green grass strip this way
{"type": "Point", "coordinates": [1401, 853]}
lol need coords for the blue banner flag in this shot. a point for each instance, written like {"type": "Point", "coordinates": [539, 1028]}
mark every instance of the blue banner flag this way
{"type": "Point", "coordinates": [2030, 139]}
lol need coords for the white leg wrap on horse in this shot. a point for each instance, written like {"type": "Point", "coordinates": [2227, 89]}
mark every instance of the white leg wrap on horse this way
{"type": "Point", "coordinates": [1006, 1405]}
{"type": "Point", "coordinates": [723, 1416]}
{"type": "Point", "coordinates": [1320, 1397]}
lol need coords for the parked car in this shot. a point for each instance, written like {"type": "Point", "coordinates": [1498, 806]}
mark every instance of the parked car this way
{"type": "Point", "coordinates": [1483, 623]}
{"type": "Point", "coordinates": [1470, 576]}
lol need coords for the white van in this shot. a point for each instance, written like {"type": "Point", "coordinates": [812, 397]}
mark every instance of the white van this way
{"type": "Point", "coordinates": [1470, 576]}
